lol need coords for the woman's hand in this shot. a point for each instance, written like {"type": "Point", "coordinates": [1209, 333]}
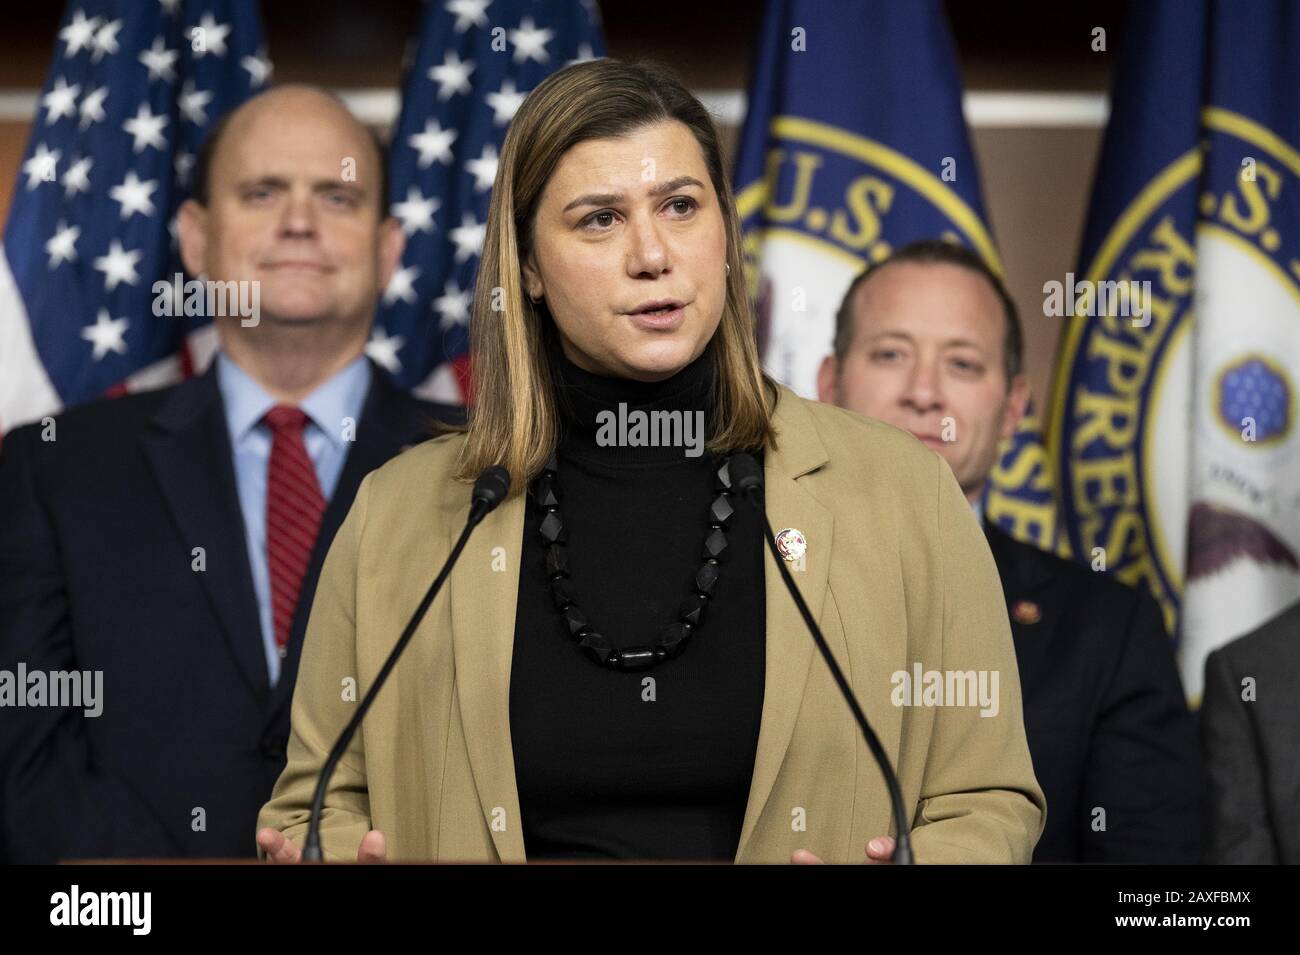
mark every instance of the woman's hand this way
{"type": "Point", "coordinates": [880, 851]}
{"type": "Point", "coordinates": [280, 849]}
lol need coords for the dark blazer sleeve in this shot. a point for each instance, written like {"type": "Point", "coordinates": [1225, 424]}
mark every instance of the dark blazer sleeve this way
{"type": "Point", "coordinates": [1237, 830]}
{"type": "Point", "coordinates": [1144, 761]}
{"type": "Point", "coordinates": [54, 802]}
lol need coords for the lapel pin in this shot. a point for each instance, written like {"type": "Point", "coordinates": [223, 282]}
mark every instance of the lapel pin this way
{"type": "Point", "coordinates": [1026, 612]}
{"type": "Point", "coordinates": [791, 544]}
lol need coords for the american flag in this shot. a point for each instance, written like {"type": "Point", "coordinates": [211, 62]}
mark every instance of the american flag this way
{"type": "Point", "coordinates": [133, 88]}
{"type": "Point", "coordinates": [475, 62]}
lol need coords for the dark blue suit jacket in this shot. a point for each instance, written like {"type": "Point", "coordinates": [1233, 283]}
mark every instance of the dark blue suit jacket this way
{"type": "Point", "coordinates": [1252, 746]}
{"type": "Point", "coordinates": [1107, 722]}
{"type": "Point", "coordinates": [97, 531]}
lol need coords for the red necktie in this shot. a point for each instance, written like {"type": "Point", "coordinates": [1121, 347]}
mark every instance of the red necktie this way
{"type": "Point", "coordinates": [294, 505]}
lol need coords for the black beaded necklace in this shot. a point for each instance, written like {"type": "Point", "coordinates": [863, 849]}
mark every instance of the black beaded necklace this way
{"type": "Point", "coordinates": [690, 616]}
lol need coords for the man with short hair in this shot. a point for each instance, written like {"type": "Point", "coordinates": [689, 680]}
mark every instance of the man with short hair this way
{"type": "Point", "coordinates": [171, 540]}
{"type": "Point", "coordinates": [929, 341]}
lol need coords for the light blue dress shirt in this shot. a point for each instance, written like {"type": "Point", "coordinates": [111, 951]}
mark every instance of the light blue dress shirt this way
{"type": "Point", "coordinates": [327, 437]}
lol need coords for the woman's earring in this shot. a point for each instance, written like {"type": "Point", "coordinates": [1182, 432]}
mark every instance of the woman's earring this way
{"type": "Point", "coordinates": [728, 268]}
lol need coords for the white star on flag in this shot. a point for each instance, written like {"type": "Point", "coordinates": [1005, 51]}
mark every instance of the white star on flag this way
{"type": "Point", "coordinates": [468, 237]}
{"type": "Point", "coordinates": [146, 129]}
{"type": "Point", "coordinates": [42, 166]}
{"type": "Point", "coordinates": [77, 178]}
{"type": "Point", "coordinates": [585, 53]}
{"type": "Point", "coordinates": [62, 246]}
{"type": "Point", "coordinates": [158, 60]}
{"type": "Point", "coordinates": [211, 36]}
{"type": "Point", "coordinates": [105, 41]}
{"type": "Point", "coordinates": [133, 195]}
{"type": "Point", "coordinates": [452, 76]}
{"type": "Point", "coordinates": [452, 305]}
{"type": "Point", "coordinates": [92, 107]}
{"type": "Point", "coordinates": [434, 143]}
{"type": "Point", "coordinates": [60, 101]}
{"type": "Point", "coordinates": [505, 102]}
{"type": "Point", "coordinates": [259, 68]}
{"type": "Point", "coordinates": [192, 102]}
{"type": "Point", "coordinates": [383, 350]}
{"type": "Point", "coordinates": [118, 265]}
{"type": "Point", "coordinates": [401, 285]}
{"type": "Point", "coordinates": [530, 42]}
{"type": "Point", "coordinates": [106, 334]}
{"type": "Point", "coordinates": [468, 13]}
{"type": "Point", "coordinates": [484, 169]}
{"type": "Point", "coordinates": [184, 164]}
{"type": "Point", "coordinates": [415, 211]}
{"type": "Point", "coordinates": [79, 33]}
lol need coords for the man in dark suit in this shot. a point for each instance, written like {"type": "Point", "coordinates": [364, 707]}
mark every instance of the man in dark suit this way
{"type": "Point", "coordinates": [168, 543]}
{"type": "Point", "coordinates": [1250, 729]}
{"type": "Point", "coordinates": [929, 341]}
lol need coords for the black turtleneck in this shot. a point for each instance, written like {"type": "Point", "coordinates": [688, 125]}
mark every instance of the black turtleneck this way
{"type": "Point", "coordinates": [607, 764]}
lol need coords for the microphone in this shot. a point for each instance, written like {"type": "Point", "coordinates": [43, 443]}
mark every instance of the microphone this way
{"type": "Point", "coordinates": [490, 490]}
{"type": "Point", "coordinates": [747, 478]}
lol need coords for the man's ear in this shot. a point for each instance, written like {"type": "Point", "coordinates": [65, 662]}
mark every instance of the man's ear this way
{"type": "Point", "coordinates": [392, 242]}
{"type": "Point", "coordinates": [1017, 403]}
{"type": "Point", "coordinates": [828, 376]}
{"type": "Point", "coordinates": [192, 229]}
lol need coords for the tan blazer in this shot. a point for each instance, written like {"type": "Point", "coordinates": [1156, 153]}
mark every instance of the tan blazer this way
{"type": "Point", "coordinates": [897, 572]}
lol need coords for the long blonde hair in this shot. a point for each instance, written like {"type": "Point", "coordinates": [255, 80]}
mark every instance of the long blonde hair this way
{"type": "Point", "coordinates": [514, 344]}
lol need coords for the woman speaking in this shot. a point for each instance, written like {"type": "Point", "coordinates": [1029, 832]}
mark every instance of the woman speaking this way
{"type": "Point", "coordinates": [614, 669]}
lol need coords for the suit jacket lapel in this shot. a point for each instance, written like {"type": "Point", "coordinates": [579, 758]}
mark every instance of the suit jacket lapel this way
{"type": "Point", "coordinates": [189, 452]}
{"type": "Point", "coordinates": [1030, 582]}
{"type": "Point", "coordinates": [483, 633]}
{"type": "Point", "coordinates": [789, 646]}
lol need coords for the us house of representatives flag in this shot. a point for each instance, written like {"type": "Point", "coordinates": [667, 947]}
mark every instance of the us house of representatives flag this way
{"type": "Point", "coordinates": [854, 145]}
{"type": "Point", "coordinates": [1174, 431]}
{"type": "Point", "coordinates": [473, 64]}
{"type": "Point", "coordinates": [132, 90]}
